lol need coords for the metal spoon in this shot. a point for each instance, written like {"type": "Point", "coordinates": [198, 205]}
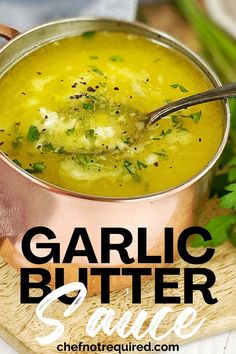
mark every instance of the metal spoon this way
{"type": "Point", "coordinates": [219, 93]}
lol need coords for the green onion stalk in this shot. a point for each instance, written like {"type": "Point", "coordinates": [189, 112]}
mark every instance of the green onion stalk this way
{"type": "Point", "coordinates": [219, 49]}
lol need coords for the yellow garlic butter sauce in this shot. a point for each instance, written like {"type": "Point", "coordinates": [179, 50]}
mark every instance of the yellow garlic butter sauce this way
{"type": "Point", "coordinates": [71, 114]}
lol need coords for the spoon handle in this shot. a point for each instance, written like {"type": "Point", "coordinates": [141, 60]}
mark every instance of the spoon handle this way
{"type": "Point", "coordinates": [225, 91]}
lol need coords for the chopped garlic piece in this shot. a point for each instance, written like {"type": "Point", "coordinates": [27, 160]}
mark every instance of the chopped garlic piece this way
{"type": "Point", "coordinates": [104, 132]}
{"type": "Point", "coordinates": [151, 159]}
{"type": "Point", "coordinates": [52, 117]}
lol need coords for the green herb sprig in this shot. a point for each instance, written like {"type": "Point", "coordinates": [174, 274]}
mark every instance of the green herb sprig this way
{"type": "Point", "coordinates": [217, 41]}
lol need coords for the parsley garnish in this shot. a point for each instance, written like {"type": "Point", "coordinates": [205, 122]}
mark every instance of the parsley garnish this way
{"type": "Point", "coordinates": [125, 140]}
{"type": "Point", "coordinates": [94, 57]}
{"type": "Point", "coordinates": [88, 106]}
{"type": "Point", "coordinates": [194, 116]}
{"type": "Point", "coordinates": [163, 134]}
{"type": "Point", "coordinates": [88, 34]}
{"type": "Point", "coordinates": [48, 147]}
{"type": "Point", "coordinates": [166, 132]}
{"type": "Point", "coordinates": [228, 201]}
{"type": "Point", "coordinates": [141, 165]}
{"type": "Point", "coordinates": [132, 170]}
{"type": "Point", "coordinates": [90, 134]}
{"type": "Point", "coordinates": [129, 167]}
{"type": "Point", "coordinates": [232, 171]}
{"type": "Point", "coordinates": [70, 131]}
{"type": "Point", "coordinates": [116, 58]}
{"type": "Point", "coordinates": [219, 228]}
{"type": "Point", "coordinates": [182, 88]}
{"type": "Point", "coordinates": [33, 133]}
{"type": "Point", "coordinates": [37, 167]}
{"type": "Point", "coordinates": [175, 119]}
{"type": "Point", "coordinates": [61, 150]}
{"type": "Point", "coordinates": [162, 154]}
{"type": "Point", "coordinates": [17, 162]}
{"type": "Point", "coordinates": [83, 159]}
{"type": "Point", "coordinates": [88, 160]}
{"type": "Point", "coordinates": [17, 142]}
{"type": "Point", "coordinates": [96, 70]}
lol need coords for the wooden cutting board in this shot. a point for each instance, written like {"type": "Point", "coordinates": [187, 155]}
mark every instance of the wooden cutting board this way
{"type": "Point", "coordinates": [20, 326]}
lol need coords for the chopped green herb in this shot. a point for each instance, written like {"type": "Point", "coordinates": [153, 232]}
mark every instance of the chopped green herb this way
{"type": "Point", "coordinates": [17, 162]}
{"type": "Point", "coordinates": [33, 133]}
{"type": "Point", "coordinates": [61, 150]}
{"type": "Point", "coordinates": [125, 140]}
{"type": "Point", "coordinates": [175, 119]}
{"type": "Point", "coordinates": [163, 134]}
{"type": "Point", "coordinates": [88, 106]}
{"type": "Point", "coordinates": [116, 58]}
{"type": "Point", "coordinates": [182, 88]}
{"type": "Point", "coordinates": [232, 171]}
{"type": "Point", "coordinates": [228, 201]}
{"type": "Point", "coordinates": [83, 159]}
{"type": "Point", "coordinates": [87, 160]}
{"type": "Point", "coordinates": [141, 165]}
{"type": "Point", "coordinates": [70, 131]}
{"type": "Point", "coordinates": [48, 147]}
{"type": "Point", "coordinates": [103, 84]}
{"type": "Point", "coordinates": [37, 167]}
{"type": "Point", "coordinates": [219, 227]}
{"type": "Point", "coordinates": [162, 154]}
{"type": "Point", "coordinates": [96, 70]}
{"type": "Point", "coordinates": [88, 34]}
{"type": "Point", "coordinates": [94, 57]}
{"type": "Point", "coordinates": [195, 116]}
{"type": "Point", "coordinates": [157, 60]}
{"type": "Point", "coordinates": [166, 132]}
{"type": "Point", "coordinates": [17, 142]}
{"type": "Point", "coordinates": [129, 168]}
{"type": "Point", "coordinates": [90, 135]}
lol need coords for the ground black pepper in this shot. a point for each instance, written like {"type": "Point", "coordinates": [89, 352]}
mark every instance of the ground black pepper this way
{"type": "Point", "coordinates": [91, 89]}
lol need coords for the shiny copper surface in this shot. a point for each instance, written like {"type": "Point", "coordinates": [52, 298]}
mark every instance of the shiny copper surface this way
{"type": "Point", "coordinates": [8, 32]}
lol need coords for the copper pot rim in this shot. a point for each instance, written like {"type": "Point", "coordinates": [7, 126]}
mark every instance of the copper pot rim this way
{"type": "Point", "coordinates": [202, 65]}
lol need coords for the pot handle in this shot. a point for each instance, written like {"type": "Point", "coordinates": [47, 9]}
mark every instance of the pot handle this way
{"type": "Point", "coordinates": [7, 32]}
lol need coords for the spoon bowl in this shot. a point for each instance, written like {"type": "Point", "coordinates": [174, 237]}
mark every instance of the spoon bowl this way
{"type": "Point", "coordinates": [219, 93]}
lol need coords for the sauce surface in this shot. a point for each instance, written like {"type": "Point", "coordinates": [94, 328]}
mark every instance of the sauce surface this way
{"type": "Point", "coordinates": [71, 114]}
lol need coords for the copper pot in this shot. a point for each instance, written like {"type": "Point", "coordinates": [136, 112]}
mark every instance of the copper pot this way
{"type": "Point", "coordinates": [27, 201]}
